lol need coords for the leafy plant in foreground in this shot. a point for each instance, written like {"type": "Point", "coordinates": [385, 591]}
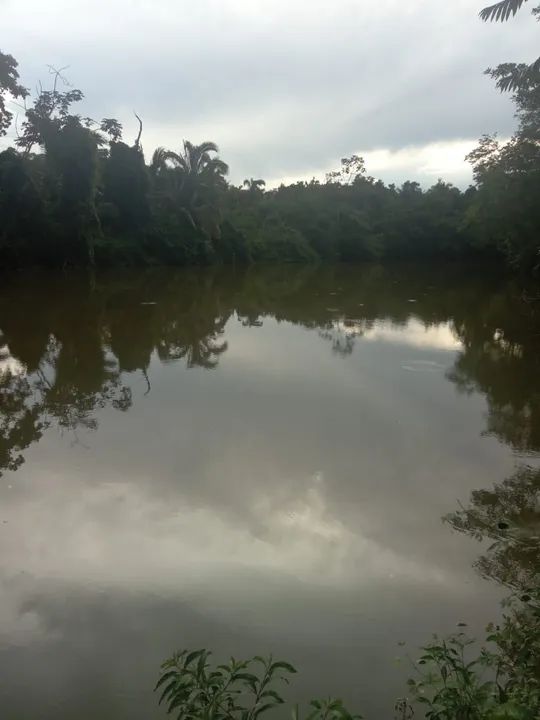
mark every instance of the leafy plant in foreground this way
{"type": "Point", "coordinates": [454, 679]}
{"type": "Point", "coordinates": [501, 682]}
{"type": "Point", "coordinates": [193, 689]}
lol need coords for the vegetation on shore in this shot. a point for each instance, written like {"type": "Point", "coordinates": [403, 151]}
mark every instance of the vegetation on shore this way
{"type": "Point", "coordinates": [73, 191]}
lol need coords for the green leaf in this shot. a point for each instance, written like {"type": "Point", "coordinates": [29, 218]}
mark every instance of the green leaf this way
{"type": "Point", "coordinates": [262, 660]}
{"type": "Point", "coordinates": [251, 680]}
{"type": "Point", "coordinates": [501, 11]}
{"type": "Point", "coordinates": [167, 691]}
{"type": "Point", "coordinates": [202, 661]}
{"type": "Point", "coordinates": [193, 656]}
{"type": "Point", "coordinates": [175, 703]}
{"type": "Point", "coordinates": [334, 703]}
{"type": "Point", "coordinates": [272, 694]}
{"type": "Point", "coordinates": [166, 676]}
{"type": "Point", "coordinates": [282, 665]}
{"type": "Point", "coordinates": [250, 677]}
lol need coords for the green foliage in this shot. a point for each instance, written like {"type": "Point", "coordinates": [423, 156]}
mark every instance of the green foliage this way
{"type": "Point", "coordinates": [9, 83]}
{"type": "Point", "coordinates": [124, 186]}
{"type": "Point", "coordinates": [455, 679]}
{"type": "Point", "coordinates": [450, 685]}
{"type": "Point", "coordinates": [351, 169]}
{"type": "Point", "coordinates": [22, 217]}
{"type": "Point", "coordinates": [112, 128]}
{"type": "Point", "coordinates": [504, 211]}
{"type": "Point", "coordinates": [254, 186]}
{"type": "Point", "coordinates": [92, 199]}
{"type": "Point", "coordinates": [514, 76]}
{"type": "Point", "coordinates": [197, 177]}
{"type": "Point", "coordinates": [501, 11]}
{"type": "Point", "coordinates": [192, 689]}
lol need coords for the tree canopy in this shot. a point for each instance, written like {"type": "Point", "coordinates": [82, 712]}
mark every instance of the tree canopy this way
{"type": "Point", "coordinates": [74, 192]}
{"type": "Point", "coordinates": [511, 76]}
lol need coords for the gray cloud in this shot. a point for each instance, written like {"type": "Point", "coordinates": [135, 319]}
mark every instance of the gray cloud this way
{"type": "Point", "coordinates": [285, 88]}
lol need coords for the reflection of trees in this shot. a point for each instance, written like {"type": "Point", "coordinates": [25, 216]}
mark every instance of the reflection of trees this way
{"type": "Point", "coordinates": [73, 342]}
{"type": "Point", "coordinates": [77, 339]}
{"type": "Point", "coordinates": [186, 342]}
{"type": "Point", "coordinates": [55, 393]}
{"type": "Point", "coordinates": [509, 516]}
{"type": "Point", "coordinates": [501, 359]}
{"type": "Point", "coordinates": [343, 333]}
{"type": "Point", "coordinates": [176, 315]}
{"type": "Point", "coordinates": [194, 323]}
{"type": "Point", "coordinates": [21, 423]}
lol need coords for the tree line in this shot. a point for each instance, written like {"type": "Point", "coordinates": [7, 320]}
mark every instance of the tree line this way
{"type": "Point", "coordinates": [74, 191]}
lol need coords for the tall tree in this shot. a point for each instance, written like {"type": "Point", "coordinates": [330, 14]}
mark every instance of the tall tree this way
{"type": "Point", "coordinates": [254, 186]}
{"type": "Point", "coordinates": [9, 84]}
{"type": "Point", "coordinates": [71, 153]}
{"type": "Point", "coordinates": [201, 175]}
{"type": "Point", "coordinates": [505, 210]}
{"type": "Point", "coordinates": [125, 180]}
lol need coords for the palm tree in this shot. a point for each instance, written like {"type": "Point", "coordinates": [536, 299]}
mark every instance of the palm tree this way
{"type": "Point", "coordinates": [254, 185]}
{"type": "Point", "coordinates": [201, 169]}
{"type": "Point", "coordinates": [159, 161]}
{"type": "Point", "coordinates": [200, 174]}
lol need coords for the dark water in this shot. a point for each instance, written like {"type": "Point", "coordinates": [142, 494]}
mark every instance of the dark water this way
{"type": "Point", "coordinates": [249, 461]}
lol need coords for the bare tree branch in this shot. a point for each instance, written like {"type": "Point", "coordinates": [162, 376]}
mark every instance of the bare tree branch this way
{"type": "Point", "coordinates": [138, 140]}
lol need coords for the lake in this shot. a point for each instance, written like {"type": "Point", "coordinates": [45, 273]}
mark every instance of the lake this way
{"type": "Point", "coordinates": [252, 461]}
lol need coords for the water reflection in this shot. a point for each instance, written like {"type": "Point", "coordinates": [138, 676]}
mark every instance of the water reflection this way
{"type": "Point", "coordinates": [255, 460]}
{"type": "Point", "coordinates": [68, 342]}
{"type": "Point", "coordinates": [509, 516]}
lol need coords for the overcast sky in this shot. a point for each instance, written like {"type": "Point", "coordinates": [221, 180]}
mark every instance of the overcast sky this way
{"type": "Point", "coordinates": [285, 87]}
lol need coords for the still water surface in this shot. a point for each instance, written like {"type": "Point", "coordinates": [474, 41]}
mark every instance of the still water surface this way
{"type": "Point", "coordinates": [250, 461]}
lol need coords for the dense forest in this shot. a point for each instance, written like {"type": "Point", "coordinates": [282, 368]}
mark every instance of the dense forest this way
{"type": "Point", "coordinates": [74, 191]}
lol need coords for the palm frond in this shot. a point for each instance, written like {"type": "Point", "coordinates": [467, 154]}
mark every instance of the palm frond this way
{"type": "Point", "coordinates": [207, 146]}
{"type": "Point", "coordinates": [254, 185]}
{"type": "Point", "coordinates": [517, 77]}
{"type": "Point", "coordinates": [501, 11]}
{"type": "Point", "coordinates": [158, 157]}
{"type": "Point", "coordinates": [176, 159]}
{"type": "Point", "coordinates": [219, 166]}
